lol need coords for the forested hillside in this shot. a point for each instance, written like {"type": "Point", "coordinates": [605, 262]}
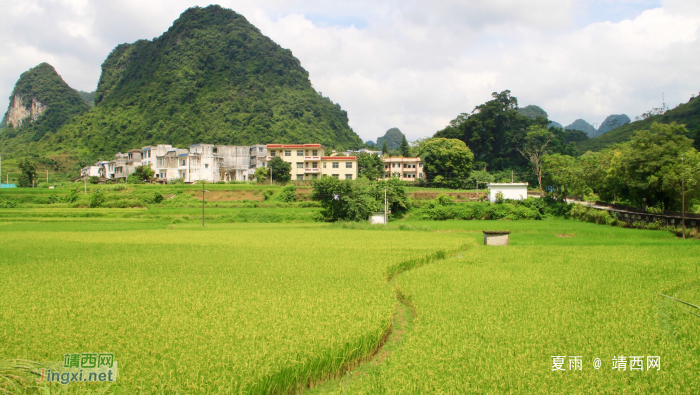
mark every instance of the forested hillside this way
{"type": "Point", "coordinates": [685, 114]}
{"type": "Point", "coordinates": [211, 78]}
{"type": "Point", "coordinates": [40, 103]}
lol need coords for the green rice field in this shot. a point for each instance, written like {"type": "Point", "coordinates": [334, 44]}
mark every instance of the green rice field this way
{"type": "Point", "coordinates": [289, 306]}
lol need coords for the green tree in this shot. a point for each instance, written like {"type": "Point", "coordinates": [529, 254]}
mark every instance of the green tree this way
{"type": "Point", "coordinates": [534, 147]}
{"type": "Point", "coordinates": [370, 166]}
{"type": "Point", "coordinates": [27, 174]}
{"type": "Point", "coordinates": [385, 149]}
{"type": "Point", "coordinates": [344, 200]}
{"type": "Point", "coordinates": [492, 131]}
{"type": "Point", "coordinates": [281, 170]}
{"type": "Point", "coordinates": [565, 174]}
{"type": "Point", "coordinates": [141, 174]}
{"type": "Point", "coordinates": [446, 162]}
{"type": "Point", "coordinates": [405, 149]}
{"type": "Point", "coordinates": [288, 194]}
{"type": "Point", "coordinates": [261, 174]}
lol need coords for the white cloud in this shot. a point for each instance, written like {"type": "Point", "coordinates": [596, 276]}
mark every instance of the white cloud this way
{"type": "Point", "coordinates": [409, 64]}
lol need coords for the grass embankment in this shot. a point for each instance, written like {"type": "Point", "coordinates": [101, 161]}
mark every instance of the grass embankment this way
{"type": "Point", "coordinates": [490, 319]}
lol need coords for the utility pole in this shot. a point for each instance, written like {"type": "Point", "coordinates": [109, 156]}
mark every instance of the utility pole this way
{"type": "Point", "coordinates": [268, 166]}
{"type": "Point", "coordinates": [202, 203]}
{"type": "Point", "coordinates": [683, 193]}
{"type": "Point", "coordinates": [47, 176]}
{"type": "Point", "coordinates": [385, 207]}
{"type": "Point", "coordinates": [85, 182]}
{"type": "Point", "coordinates": [512, 177]}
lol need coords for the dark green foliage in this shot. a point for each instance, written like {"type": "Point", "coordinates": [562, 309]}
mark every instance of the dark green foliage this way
{"type": "Point", "coordinates": [211, 78]}
{"type": "Point", "coordinates": [94, 180]}
{"type": "Point", "coordinates": [583, 126]}
{"type": "Point", "coordinates": [370, 166]}
{"type": "Point", "coordinates": [27, 175]}
{"type": "Point", "coordinates": [573, 136]}
{"type": "Point", "coordinates": [446, 162]}
{"type": "Point", "coordinates": [88, 97]}
{"type": "Point", "coordinates": [97, 198]}
{"type": "Point", "coordinates": [392, 138]}
{"type": "Point", "coordinates": [62, 104]}
{"type": "Point", "coordinates": [280, 169]}
{"type": "Point", "coordinates": [533, 112]}
{"type": "Point", "coordinates": [612, 122]}
{"type": "Point", "coordinates": [405, 149]}
{"type": "Point", "coordinates": [687, 114]}
{"type": "Point", "coordinates": [344, 200]}
{"type": "Point", "coordinates": [644, 172]}
{"type": "Point", "coordinates": [141, 174]}
{"type": "Point", "coordinates": [288, 194]}
{"type": "Point", "coordinates": [530, 208]}
{"type": "Point", "coordinates": [492, 131]}
{"type": "Point", "coordinates": [385, 148]}
{"type": "Point", "coordinates": [495, 129]}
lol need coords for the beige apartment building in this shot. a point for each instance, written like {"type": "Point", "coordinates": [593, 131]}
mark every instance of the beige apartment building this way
{"type": "Point", "coordinates": [309, 162]}
{"type": "Point", "coordinates": [406, 169]}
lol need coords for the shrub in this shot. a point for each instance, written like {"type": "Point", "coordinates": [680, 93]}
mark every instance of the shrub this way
{"type": "Point", "coordinates": [97, 198]}
{"type": "Point", "coordinates": [288, 194]}
{"type": "Point", "coordinates": [94, 180]}
{"type": "Point", "coordinates": [499, 197]}
{"type": "Point", "coordinates": [267, 194]}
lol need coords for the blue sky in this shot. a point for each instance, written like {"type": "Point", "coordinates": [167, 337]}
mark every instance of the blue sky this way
{"type": "Point", "coordinates": [411, 64]}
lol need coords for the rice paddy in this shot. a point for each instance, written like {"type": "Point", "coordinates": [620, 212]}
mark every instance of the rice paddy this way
{"type": "Point", "coordinates": [291, 307]}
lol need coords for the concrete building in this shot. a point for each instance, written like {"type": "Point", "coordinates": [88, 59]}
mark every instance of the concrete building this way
{"type": "Point", "coordinates": [90, 171]}
{"type": "Point", "coordinates": [406, 169]}
{"type": "Point", "coordinates": [125, 164]}
{"type": "Point", "coordinates": [235, 162]}
{"type": "Point", "coordinates": [512, 191]}
{"type": "Point", "coordinates": [308, 162]}
{"type": "Point", "coordinates": [258, 158]}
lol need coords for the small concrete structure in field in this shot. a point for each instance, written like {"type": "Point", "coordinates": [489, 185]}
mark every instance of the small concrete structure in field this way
{"type": "Point", "coordinates": [511, 190]}
{"type": "Point", "coordinates": [378, 218]}
{"type": "Point", "coordinates": [496, 237]}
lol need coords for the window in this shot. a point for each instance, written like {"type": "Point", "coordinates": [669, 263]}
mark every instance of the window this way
{"type": "Point", "coordinates": [335, 165]}
{"type": "Point", "coordinates": [272, 153]}
{"type": "Point", "coordinates": [259, 149]}
{"type": "Point", "coordinates": [335, 176]}
{"type": "Point", "coordinates": [314, 176]}
{"type": "Point", "coordinates": [300, 177]}
{"type": "Point", "coordinates": [386, 166]}
{"type": "Point", "coordinates": [314, 153]}
{"type": "Point", "coordinates": [206, 165]}
{"type": "Point", "coordinates": [324, 165]}
{"type": "Point", "coordinates": [348, 165]}
{"type": "Point", "coordinates": [300, 165]}
{"type": "Point", "coordinates": [182, 162]}
{"type": "Point", "coordinates": [288, 152]}
{"type": "Point", "coordinates": [420, 164]}
{"type": "Point", "coordinates": [393, 165]}
{"type": "Point", "coordinates": [348, 176]}
{"type": "Point", "coordinates": [300, 152]}
{"type": "Point", "coordinates": [307, 152]}
{"type": "Point", "coordinates": [314, 165]}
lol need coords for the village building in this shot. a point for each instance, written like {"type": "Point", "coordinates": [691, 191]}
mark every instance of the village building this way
{"type": "Point", "coordinates": [511, 190]}
{"type": "Point", "coordinates": [309, 161]}
{"type": "Point", "coordinates": [405, 169]}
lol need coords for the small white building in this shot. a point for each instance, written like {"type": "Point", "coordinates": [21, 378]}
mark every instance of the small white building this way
{"type": "Point", "coordinates": [511, 191]}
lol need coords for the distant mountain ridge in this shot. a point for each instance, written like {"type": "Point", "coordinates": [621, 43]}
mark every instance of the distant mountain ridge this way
{"type": "Point", "coordinates": [40, 103]}
{"type": "Point", "coordinates": [212, 77]}
{"type": "Point", "coordinates": [687, 114]}
{"type": "Point", "coordinates": [393, 138]}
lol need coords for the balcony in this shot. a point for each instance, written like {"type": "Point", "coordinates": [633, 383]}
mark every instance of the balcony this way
{"type": "Point", "coordinates": [316, 158]}
{"type": "Point", "coordinates": [314, 170]}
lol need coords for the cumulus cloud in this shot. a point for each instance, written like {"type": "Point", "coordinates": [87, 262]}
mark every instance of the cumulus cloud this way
{"type": "Point", "coordinates": [410, 64]}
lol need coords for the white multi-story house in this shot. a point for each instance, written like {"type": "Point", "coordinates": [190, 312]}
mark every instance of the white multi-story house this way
{"type": "Point", "coordinates": [125, 164]}
{"type": "Point", "coordinates": [406, 169]}
{"type": "Point", "coordinates": [309, 161]}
